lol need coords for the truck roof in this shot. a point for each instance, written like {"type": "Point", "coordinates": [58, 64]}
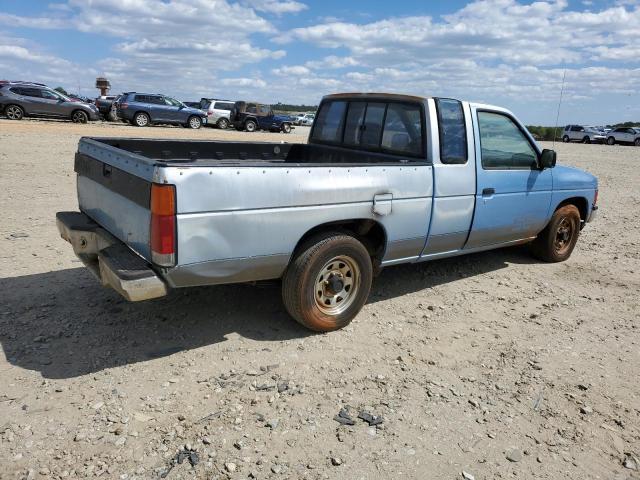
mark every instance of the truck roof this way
{"type": "Point", "coordinates": [390, 96]}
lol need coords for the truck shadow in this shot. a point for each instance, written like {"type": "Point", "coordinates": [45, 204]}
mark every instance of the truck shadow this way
{"type": "Point", "coordinates": [63, 324]}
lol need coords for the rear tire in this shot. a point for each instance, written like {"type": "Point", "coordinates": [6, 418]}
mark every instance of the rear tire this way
{"type": "Point", "coordinates": [586, 140]}
{"type": "Point", "coordinates": [223, 124]}
{"type": "Point", "coordinates": [141, 119]}
{"type": "Point", "coordinates": [611, 141]}
{"type": "Point", "coordinates": [556, 242]}
{"type": "Point", "coordinates": [565, 139]}
{"type": "Point", "coordinates": [286, 128]}
{"type": "Point", "coordinates": [637, 142]}
{"type": "Point", "coordinates": [14, 112]}
{"type": "Point", "coordinates": [327, 282]}
{"type": "Point", "coordinates": [250, 126]}
{"type": "Point", "coordinates": [79, 117]}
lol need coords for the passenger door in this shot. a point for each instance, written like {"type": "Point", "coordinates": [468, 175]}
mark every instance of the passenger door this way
{"type": "Point", "coordinates": [34, 103]}
{"type": "Point", "coordinates": [513, 195]}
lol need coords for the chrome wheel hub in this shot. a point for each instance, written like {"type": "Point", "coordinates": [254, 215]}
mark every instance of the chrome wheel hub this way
{"type": "Point", "coordinates": [337, 284]}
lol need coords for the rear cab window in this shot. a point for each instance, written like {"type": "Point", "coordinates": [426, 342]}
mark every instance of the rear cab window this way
{"type": "Point", "coordinates": [452, 131]}
{"type": "Point", "coordinates": [392, 127]}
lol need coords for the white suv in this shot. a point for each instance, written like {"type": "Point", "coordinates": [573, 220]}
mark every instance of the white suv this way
{"type": "Point", "coordinates": [218, 111]}
{"type": "Point", "coordinates": [578, 133]}
{"type": "Point", "coordinates": [628, 135]}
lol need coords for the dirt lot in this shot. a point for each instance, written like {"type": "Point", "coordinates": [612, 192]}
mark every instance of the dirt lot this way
{"type": "Point", "coordinates": [491, 364]}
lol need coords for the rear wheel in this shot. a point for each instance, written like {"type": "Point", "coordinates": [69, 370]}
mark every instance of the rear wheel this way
{"type": "Point", "coordinates": [327, 282]}
{"type": "Point", "coordinates": [556, 242]}
{"type": "Point", "coordinates": [586, 140]}
{"type": "Point", "coordinates": [79, 117]}
{"type": "Point", "coordinates": [14, 112]}
{"type": "Point", "coordinates": [141, 119]}
{"type": "Point", "coordinates": [637, 142]}
{"type": "Point", "coordinates": [194, 122]}
{"type": "Point", "coordinates": [223, 123]}
{"type": "Point", "coordinates": [611, 141]}
{"type": "Point", "coordinates": [286, 128]}
{"type": "Point", "coordinates": [250, 126]}
{"type": "Point", "coordinates": [565, 139]}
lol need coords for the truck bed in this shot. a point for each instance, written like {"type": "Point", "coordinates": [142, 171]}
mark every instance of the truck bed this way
{"type": "Point", "coordinates": [211, 153]}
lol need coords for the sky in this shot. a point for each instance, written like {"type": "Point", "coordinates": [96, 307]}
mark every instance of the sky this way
{"type": "Point", "coordinates": [504, 52]}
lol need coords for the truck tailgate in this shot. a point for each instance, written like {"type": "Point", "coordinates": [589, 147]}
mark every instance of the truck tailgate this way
{"type": "Point", "coordinates": [117, 199]}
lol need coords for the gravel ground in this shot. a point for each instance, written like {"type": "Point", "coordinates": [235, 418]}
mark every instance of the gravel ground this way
{"type": "Point", "coordinates": [493, 364]}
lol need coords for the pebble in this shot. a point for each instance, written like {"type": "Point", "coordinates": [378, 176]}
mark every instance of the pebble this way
{"type": "Point", "coordinates": [586, 410]}
{"type": "Point", "coordinates": [230, 467]}
{"type": "Point", "coordinates": [336, 461]}
{"type": "Point", "coordinates": [467, 476]}
{"type": "Point", "coordinates": [631, 462]}
{"type": "Point", "coordinates": [514, 455]}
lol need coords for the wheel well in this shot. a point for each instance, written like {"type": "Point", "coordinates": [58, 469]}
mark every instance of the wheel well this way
{"type": "Point", "coordinates": [79, 110]}
{"type": "Point", "coordinates": [371, 233]}
{"type": "Point", "coordinates": [142, 111]}
{"type": "Point", "coordinates": [581, 204]}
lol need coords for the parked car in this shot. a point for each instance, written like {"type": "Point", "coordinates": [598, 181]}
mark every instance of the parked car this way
{"type": "Point", "coordinates": [144, 109]}
{"type": "Point", "coordinates": [105, 104]}
{"type": "Point", "coordinates": [624, 135]}
{"type": "Point", "coordinates": [305, 119]}
{"type": "Point", "coordinates": [252, 116]}
{"type": "Point", "coordinates": [367, 191]}
{"type": "Point", "coordinates": [23, 99]}
{"type": "Point", "coordinates": [218, 112]}
{"type": "Point", "coordinates": [579, 133]}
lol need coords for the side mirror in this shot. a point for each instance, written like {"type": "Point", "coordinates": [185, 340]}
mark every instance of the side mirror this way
{"type": "Point", "coordinates": [548, 158]}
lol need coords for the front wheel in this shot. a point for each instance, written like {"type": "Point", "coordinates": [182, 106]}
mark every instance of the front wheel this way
{"type": "Point", "coordinates": [611, 141]}
{"type": "Point", "coordinates": [194, 122]}
{"type": "Point", "coordinates": [556, 242]}
{"type": "Point", "coordinates": [286, 128]}
{"type": "Point", "coordinates": [565, 139]}
{"type": "Point", "coordinates": [586, 140]}
{"type": "Point", "coordinates": [637, 142]}
{"type": "Point", "coordinates": [79, 117]}
{"type": "Point", "coordinates": [327, 282]}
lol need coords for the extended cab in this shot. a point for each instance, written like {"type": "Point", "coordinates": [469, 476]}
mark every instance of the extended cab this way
{"type": "Point", "coordinates": [385, 179]}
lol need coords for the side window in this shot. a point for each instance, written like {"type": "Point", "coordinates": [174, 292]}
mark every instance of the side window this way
{"type": "Point", "coordinates": [31, 92]}
{"type": "Point", "coordinates": [328, 128]}
{"type": "Point", "coordinates": [17, 90]}
{"type": "Point", "coordinates": [403, 129]}
{"type": "Point", "coordinates": [503, 144]}
{"type": "Point", "coordinates": [50, 95]}
{"type": "Point", "coordinates": [453, 133]}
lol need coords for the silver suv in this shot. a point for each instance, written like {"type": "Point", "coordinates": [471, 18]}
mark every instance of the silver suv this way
{"type": "Point", "coordinates": [579, 133]}
{"type": "Point", "coordinates": [624, 135]}
{"type": "Point", "coordinates": [218, 111]}
{"type": "Point", "coordinates": [24, 99]}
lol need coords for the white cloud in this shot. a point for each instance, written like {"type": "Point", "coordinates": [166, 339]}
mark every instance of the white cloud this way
{"type": "Point", "coordinates": [276, 6]}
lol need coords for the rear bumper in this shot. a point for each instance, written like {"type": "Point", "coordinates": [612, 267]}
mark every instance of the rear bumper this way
{"type": "Point", "coordinates": [113, 263]}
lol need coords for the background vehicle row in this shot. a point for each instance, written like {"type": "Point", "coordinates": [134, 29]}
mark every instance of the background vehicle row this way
{"type": "Point", "coordinates": [144, 109]}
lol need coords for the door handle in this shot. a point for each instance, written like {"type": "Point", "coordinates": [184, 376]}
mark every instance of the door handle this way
{"type": "Point", "coordinates": [382, 203]}
{"type": "Point", "coordinates": [488, 192]}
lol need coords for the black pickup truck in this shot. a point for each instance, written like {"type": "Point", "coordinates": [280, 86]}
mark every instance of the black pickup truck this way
{"type": "Point", "coordinates": [252, 116]}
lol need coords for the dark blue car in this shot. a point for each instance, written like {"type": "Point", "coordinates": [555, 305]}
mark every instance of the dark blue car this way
{"type": "Point", "coordinates": [144, 109]}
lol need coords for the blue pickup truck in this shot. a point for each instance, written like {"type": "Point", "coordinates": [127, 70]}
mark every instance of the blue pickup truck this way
{"type": "Point", "coordinates": [385, 179]}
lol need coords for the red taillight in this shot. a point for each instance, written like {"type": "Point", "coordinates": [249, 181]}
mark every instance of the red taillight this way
{"type": "Point", "coordinates": [124, 105]}
{"type": "Point", "coordinates": [163, 224]}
